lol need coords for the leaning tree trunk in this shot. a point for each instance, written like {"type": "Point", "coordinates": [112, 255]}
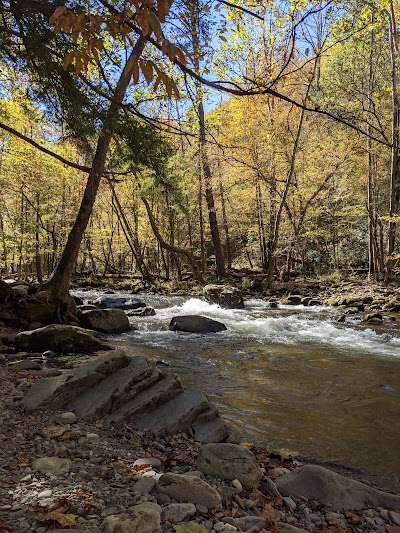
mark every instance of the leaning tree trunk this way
{"type": "Point", "coordinates": [59, 282]}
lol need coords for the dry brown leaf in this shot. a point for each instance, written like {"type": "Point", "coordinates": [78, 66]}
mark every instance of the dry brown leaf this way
{"type": "Point", "coordinates": [239, 500]}
{"type": "Point", "coordinates": [392, 529]}
{"type": "Point", "coordinates": [270, 513]}
{"type": "Point", "coordinates": [353, 518]}
{"type": "Point", "coordinates": [58, 515]}
{"type": "Point", "coordinates": [81, 493]}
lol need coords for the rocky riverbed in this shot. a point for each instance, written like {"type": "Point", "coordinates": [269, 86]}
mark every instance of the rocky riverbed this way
{"type": "Point", "coordinates": [60, 473]}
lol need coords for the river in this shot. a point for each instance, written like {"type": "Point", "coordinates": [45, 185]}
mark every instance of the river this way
{"type": "Point", "coordinates": [290, 377]}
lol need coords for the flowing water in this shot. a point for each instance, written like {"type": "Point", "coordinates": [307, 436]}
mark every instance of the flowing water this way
{"type": "Point", "coordinates": [290, 377]}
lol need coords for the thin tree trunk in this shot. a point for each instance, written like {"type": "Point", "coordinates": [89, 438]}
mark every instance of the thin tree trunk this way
{"type": "Point", "coordinates": [60, 280]}
{"type": "Point", "coordinates": [169, 247]}
{"type": "Point", "coordinates": [395, 160]}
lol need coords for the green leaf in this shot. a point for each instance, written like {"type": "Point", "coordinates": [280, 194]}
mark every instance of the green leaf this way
{"type": "Point", "coordinates": [190, 527]}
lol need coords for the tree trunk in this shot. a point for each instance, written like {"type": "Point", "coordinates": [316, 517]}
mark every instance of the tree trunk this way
{"type": "Point", "coordinates": [395, 160]}
{"type": "Point", "coordinates": [60, 280]}
{"type": "Point", "coordinates": [169, 247]}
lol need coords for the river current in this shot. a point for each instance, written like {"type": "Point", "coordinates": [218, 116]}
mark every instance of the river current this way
{"type": "Point", "coordinates": [290, 377]}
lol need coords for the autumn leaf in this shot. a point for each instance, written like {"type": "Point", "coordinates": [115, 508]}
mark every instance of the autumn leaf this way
{"type": "Point", "coordinates": [392, 529]}
{"type": "Point", "coordinates": [270, 512]}
{"type": "Point", "coordinates": [58, 515]}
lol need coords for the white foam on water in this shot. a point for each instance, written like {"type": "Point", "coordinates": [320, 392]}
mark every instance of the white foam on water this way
{"type": "Point", "coordinates": [291, 325]}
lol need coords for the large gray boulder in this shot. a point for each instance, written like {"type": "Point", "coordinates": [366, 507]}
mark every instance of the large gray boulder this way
{"type": "Point", "coordinates": [128, 390]}
{"type": "Point", "coordinates": [226, 297]}
{"type": "Point", "coordinates": [196, 324]}
{"type": "Point", "coordinates": [105, 320]}
{"type": "Point", "coordinates": [191, 489]}
{"type": "Point", "coordinates": [58, 338]}
{"type": "Point", "coordinates": [230, 461]}
{"type": "Point", "coordinates": [329, 488]}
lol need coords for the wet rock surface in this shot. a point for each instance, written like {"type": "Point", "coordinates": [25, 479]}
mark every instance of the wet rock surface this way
{"type": "Point", "coordinates": [58, 338]}
{"type": "Point", "coordinates": [225, 296]}
{"type": "Point", "coordinates": [196, 324]}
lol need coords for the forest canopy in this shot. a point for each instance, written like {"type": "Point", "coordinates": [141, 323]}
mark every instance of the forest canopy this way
{"type": "Point", "coordinates": [197, 138]}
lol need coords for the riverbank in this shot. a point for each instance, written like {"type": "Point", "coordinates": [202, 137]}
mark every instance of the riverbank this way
{"type": "Point", "coordinates": [115, 471]}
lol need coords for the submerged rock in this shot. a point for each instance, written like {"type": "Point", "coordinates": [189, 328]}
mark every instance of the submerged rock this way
{"type": "Point", "coordinates": [196, 324]}
{"type": "Point", "coordinates": [312, 481]}
{"type": "Point", "coordinates": [59, 338]}
{"type": "Point", "coordinates": [226, 297]}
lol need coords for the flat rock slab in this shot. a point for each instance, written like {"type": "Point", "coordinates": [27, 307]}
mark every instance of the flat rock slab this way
{"type": "Point", "coordinates": [161, 391]}
{"type": "Point", "coordinates": [178, 414]}
{"type": "Point", "coordinates": [108, 394]}
{"type": "Point", "coordinates": [188, 489]}
{"type": "Point", "coordinates": [56, 393]}
{"type": "Point", "coordinates": [105, 320]}
{"type": "Point", "coordinates": [196, 324]}
{"type": "Point", "coordinates": [58, 338]}
{"type": "Point", "coordinates": [329, 488]}
{"type": "Point", "coordinates": [230, 461]}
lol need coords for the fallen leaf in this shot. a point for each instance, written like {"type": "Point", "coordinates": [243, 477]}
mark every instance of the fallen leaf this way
{"type": "Point", "coordinates": [239, 500]}
{"type": "Point", "coordinates": [270, 513]}
{"type": "Point", "coordinates": [191, 527]}
{"type": "Point", "coordinates": [59, 516]}
{"type": "Point", "coordinates": [353, 518]}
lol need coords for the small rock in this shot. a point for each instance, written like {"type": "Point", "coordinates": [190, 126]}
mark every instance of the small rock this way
{"type": "Point", "coordinates": [230, 461]}
{"type": "Point", "coordinates": [144, 485]}
{"type": "Point", "coordinates": [44, 494]}
{"type": "Point", "coordinates": [65, 418]}
{"type": "Point", "coordinates": [178, 512]}
{"type": "Point", "coordinates": [137, 522]}
{"type": "Point", "coordinates": [236, 483]}
{"type": "Point", "coordinates": [52, 465]}
{"type": "Point", "coordinates": [290, 503]}
{"type": "Point", "coordinates": [189, 489]}
{"type": "Point", "coordinates": [92, 437]}
{"type": "Point", "coordinates": [288, 528]}
{"type": "Point", "coordinates": [52, 432]}
{"type": "Point", "coordinates": [151, 461]}
{"type": "Point", "coordinates": [247, 522]}
{"type": "Point", "coordinates": [394, 517]}
{"type": "Point", "coordinates": [146, 506]}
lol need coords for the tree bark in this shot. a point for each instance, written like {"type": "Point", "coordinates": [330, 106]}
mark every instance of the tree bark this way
{"type": "Point", "coordinates": [395, 160]}
{"type": "Point", "coordinates": [60, 280]}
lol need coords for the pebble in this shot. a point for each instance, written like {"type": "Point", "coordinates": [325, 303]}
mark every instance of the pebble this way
{"type": "Point", "coordinates": [290, 503]}
{"type": "Point", "coordinates": [236, 483]}
{"type": "Point", "coordinates": [44, 494]}
{"type": "Point", "coordinates": [394, 517]}
{"type": "Point", "coordinates": [92, 437]}
{"type": "Point", "coordinates": [147, 461]}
